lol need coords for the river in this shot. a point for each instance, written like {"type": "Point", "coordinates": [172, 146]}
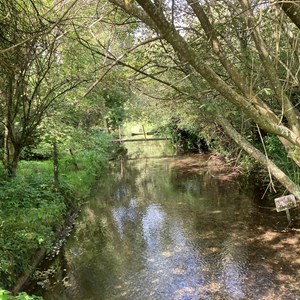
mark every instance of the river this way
{"type": "Point", "coordinates": [153, 230]}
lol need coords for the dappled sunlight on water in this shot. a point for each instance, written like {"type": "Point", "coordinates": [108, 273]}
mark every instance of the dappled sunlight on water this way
{"type": "Point", "coordinates": [156, 232]}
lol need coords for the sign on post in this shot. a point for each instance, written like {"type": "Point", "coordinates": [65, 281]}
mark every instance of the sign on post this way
{"type": "Point", "coordinates": [285, 203]}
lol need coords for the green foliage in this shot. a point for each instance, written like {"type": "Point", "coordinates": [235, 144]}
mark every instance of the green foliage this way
{"type": "Point", "coordinates": [277, 153]}
{"type": "Point", "coordinates": [185, 138]}
{"type": "Point", "coordinates": [91, 152]}
{"type": "Point", "coordinates": [30, 213]}
{"type": "Point", "coordinates": [6, 295]}
{"type": "Point", "coordinates": [114, 101]}
{"type": "Point", "coordinates": [31, 81]}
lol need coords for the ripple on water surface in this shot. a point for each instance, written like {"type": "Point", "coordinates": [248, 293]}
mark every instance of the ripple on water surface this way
{"type": "Point", "coordinates": [155, 232]}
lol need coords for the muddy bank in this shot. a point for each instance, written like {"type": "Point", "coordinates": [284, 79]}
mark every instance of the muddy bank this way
{"type": "Point", "coordinates": [43, 257]}
{"type": "Point", "coordinates": [214, 165]}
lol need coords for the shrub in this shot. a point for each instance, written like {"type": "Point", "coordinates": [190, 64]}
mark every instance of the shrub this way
{"type": "Point", "coordinates": [30, 213]}
{"type": "Point", "coordinates": [6, 295]}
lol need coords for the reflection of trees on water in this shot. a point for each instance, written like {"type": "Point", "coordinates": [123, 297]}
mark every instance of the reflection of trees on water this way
{"type": "Point", "coordinates": [151, 232]}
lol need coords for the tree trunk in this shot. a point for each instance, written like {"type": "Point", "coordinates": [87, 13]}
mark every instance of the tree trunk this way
{"type": "Point", "coordinates": [292, 10]}
{"type": "Point", "coordinates": [260, 157]}
{"type": "Point", "coordinates": [12, 164]}
{"type": "Point", "coordinates": [11, 155]}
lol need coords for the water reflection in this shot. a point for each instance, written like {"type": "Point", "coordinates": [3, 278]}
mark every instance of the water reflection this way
{"type": "Point", "coordinates": [155, 233]}
{"type": "Point", "coordinates": [122, 214]}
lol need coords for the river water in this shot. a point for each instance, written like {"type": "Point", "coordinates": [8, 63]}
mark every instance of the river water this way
{"type": "Point", "coordinates": [156, 231]}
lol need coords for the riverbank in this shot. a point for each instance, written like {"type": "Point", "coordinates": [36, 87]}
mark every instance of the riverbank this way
{"type": "Point", "coordinates": [31, 214]}
{"type": "Point", "coordinates": [212, 164]}
{"type": "Point", "coordinates": [198, 164]}
{"type": "Point", "coordinates": [36, 215]}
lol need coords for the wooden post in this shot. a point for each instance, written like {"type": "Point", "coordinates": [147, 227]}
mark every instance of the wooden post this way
{"type": "Point", "coordinates": [55, 166]}
{"type": "Point", "coordinates": [288, 216]}
{"type": "Point", "coordinates": [144, 132]}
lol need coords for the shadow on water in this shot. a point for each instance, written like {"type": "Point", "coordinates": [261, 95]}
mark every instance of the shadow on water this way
{"type": "Point", "coordinates": [152, 231]}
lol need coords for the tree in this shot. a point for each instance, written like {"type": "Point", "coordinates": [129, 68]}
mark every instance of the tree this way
{"type": "Point", "coordinates": [239, 53]}
{"type": "Point", "coordinates": [30, 65]}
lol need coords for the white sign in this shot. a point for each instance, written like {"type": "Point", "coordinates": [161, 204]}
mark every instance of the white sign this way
{"type": "Point", "coordinates": [285, 202]}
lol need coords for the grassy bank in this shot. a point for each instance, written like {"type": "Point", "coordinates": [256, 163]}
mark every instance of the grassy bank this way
{"type": "Point", "coordinates": [33, 211]}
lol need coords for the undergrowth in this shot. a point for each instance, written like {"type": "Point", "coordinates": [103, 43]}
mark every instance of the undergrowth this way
{"type": "Point", "coordinates": [6, 295]}
{"type": "Point", "coordinates": [32, 211]}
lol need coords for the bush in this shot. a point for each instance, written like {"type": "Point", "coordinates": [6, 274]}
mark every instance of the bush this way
{"type": "Point", "coordinates": [30, 214]}
{"type": "Point", "coordinates": [6, 295]}
{"type": "Point", "coordinates": [91, 153]}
